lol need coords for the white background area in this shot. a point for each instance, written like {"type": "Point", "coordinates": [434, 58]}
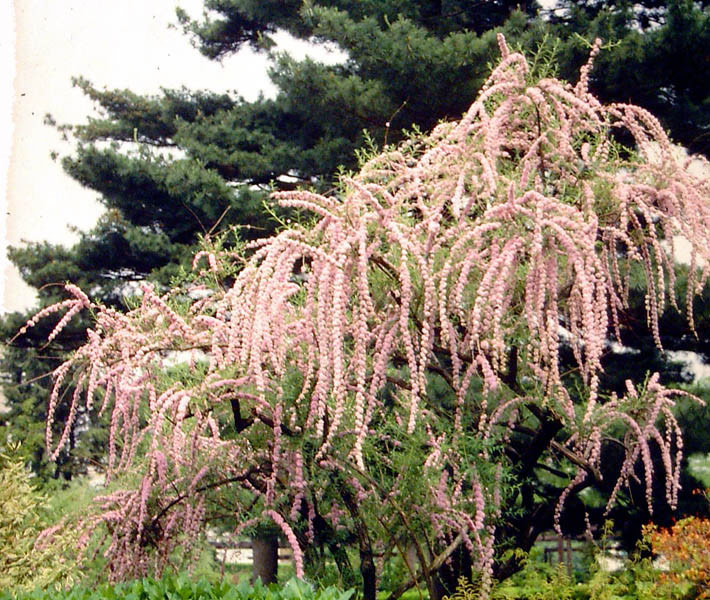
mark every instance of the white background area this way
{"type": "Point", "coordinates": [7, 73]}
{"type": "Point", "coordinates": [125, 44]}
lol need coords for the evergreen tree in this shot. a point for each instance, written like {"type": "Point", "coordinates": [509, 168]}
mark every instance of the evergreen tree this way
{"type": "Point", "coordinates": [657, 57]}
{"type": "Point", "coordinates": [183, 164]}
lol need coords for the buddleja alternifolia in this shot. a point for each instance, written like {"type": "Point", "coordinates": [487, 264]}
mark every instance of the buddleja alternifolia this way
{"type": "Point", "coordinates": [511, 231]}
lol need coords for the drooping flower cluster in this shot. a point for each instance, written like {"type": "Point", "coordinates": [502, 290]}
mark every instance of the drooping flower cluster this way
{"type": "Point", "coordinates": [468, 257]}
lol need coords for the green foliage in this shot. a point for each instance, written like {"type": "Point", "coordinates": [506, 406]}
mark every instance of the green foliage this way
{"type": "Point", "coordinates": [28, 364]}
{"type": "Point", "coordinates": [639, 579]}
{"type": "Point", "coordinates": [655, 59]}
{"type": "Point", "coordinates": [685, 549]}
{"type": "Point", "coordinates": [24, 563]}
{"type": "Point", "coordinates": [543, 581]}
{"type": "Point", "coordinates": [182, 587]}
{"type": "Point", "coordinates": [410, 64]}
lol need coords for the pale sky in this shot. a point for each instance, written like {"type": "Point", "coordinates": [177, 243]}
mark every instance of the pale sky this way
{"type": "Point", "coordinates": [7, 72]}
{"type": "Point", "coordinates": [123, 44]}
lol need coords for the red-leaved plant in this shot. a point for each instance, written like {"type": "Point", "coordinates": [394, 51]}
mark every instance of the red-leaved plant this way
{"type": "Point", "coordinates": [420, 316]}
{"type": "Point", "coordinates": [685, 551]}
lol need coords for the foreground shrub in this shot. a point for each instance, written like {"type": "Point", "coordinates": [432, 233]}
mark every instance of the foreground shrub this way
{"type": "Point", "coordinates": [181, 587]}
{"type": "Point", "coordinates": [25, 563]}
{"type": "Point", "coordinates": [640, 579]}
{"type": "Point", "coordinates": [686, 547]}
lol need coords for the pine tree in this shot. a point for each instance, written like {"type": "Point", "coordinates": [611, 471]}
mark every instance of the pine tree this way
{"type": "Point", "coordinates": [185, 164]}
{"type": "Point", "coordinates": [656, 57]}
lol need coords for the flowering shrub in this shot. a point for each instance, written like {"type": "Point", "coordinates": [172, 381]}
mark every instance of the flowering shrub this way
{"type": "Point", "coordinates": [383, 375]}
{"type": "Point", "coordinates": [685, 548]}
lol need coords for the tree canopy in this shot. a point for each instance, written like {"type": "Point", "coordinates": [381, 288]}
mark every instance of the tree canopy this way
{"type": "Point", "coordinates": [174, 167]}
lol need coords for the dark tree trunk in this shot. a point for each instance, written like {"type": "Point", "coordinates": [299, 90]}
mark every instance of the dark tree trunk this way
{"type": "Point", "coordinates": [445, 580]}
{"type": "Point", "coordinates": [437, 591]}
{"type": "Point", "coordinates": [368, 570]}
{"type": "Point", "coordinates": [265, 563]}
{"type": "Point", "coordinates": [369, 574]}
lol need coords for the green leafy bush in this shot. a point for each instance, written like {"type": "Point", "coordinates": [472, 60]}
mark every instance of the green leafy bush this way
{"type": "Point", "coordinates": [24, 563]}
{"type": "Point", "coordinates": [181, 587]}
{"type": "Point", "coordinates": [540, 580]}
